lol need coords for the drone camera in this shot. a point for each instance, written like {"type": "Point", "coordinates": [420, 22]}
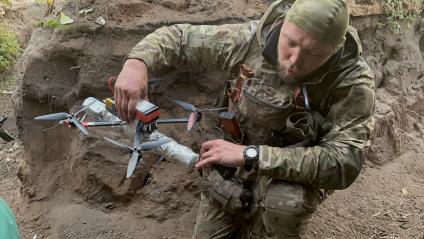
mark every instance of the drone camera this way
{"type": "Point", "coordinates": [147, 112]}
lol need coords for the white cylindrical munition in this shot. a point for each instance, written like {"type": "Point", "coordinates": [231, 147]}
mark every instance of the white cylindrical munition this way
{"type": "Point", "coordinates": [173, 150]}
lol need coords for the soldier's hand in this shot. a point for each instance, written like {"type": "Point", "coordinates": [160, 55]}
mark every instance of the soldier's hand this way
{"type": "Point", "coordinates": [221, 152]}
{"type": "Point", "coordinates": [130, 87]}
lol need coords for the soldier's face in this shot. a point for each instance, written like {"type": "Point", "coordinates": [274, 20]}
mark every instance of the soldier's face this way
{"type": "Point", "coordinates": [300, 53]}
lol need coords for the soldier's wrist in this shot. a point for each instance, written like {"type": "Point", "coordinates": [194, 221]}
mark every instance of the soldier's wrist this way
{"type": "Point", "coordinates": [136, 63]}
{"type": "Point", "coordinates": [251, 157]}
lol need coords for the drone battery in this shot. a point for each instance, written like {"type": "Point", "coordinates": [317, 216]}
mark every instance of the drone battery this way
{"type": "Point", "coordinates": [146, 112]}
{"type": "Point", "coordinates": [230, 124]}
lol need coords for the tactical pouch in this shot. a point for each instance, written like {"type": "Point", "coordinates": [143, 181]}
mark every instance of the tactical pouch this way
{"type": "Point", "coordinates": [263, 108]}
{"type": "Point", "coordinates": [289, 207]}
{"type": "Point", "coordinates": [230, 195]}
{"type": "Point", "coordinates": [303, 129]}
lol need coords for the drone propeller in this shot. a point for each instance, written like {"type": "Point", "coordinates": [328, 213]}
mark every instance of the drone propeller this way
{"type": "Point", "coordinates": [3, 133]}
{"type": "Point", "coordinates": [192, 119]}
{"type": "Point", "coordinates": [118, 143]}
{"type": "Point", "coordinates": [160, 159]}
{"type": "Point", "coordinates": [136, 150]}
{"type": "Point", "coordinates": [62, 116]}
{"type": "Point", "coordinates": [195, 114]}
{"type": "Point", "coordinates": [141, 147]}
{"type": "Point", "coordinates": [75, 121]}
{"type": "Point", "coordinates": [2, 120]}
{"type": "Point", "coordinates": [192, 108]}
{"type": "Point", "coordinates": [54, 117]}
{"type": "Point", "coordinates": [185, 105]}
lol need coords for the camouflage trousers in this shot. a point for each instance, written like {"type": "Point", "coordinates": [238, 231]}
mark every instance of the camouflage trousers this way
{"type": "Point", "coordinates": [284, 211]}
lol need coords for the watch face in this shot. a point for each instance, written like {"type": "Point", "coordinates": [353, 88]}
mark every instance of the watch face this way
{"type": "Point", "coordinates": [251, 152]}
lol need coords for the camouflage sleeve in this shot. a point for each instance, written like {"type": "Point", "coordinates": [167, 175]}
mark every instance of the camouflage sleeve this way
{"type": "Point", "coordinates": [337, 160]}
{"type": "Point", "coordinates": [195, 48]}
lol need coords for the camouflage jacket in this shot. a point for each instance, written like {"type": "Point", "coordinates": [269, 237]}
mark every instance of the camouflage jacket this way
{"type": "Point", "coordinates": [344, 94]}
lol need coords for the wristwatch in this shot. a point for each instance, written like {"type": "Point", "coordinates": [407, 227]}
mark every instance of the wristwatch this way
{"type": "Point", "coordinates": [251, 156]}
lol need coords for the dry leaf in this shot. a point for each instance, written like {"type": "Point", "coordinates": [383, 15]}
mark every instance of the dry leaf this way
{"type": "Point", "coordinates": [100, 21]}
{"type": "Point", "coordinates": [65, 19]}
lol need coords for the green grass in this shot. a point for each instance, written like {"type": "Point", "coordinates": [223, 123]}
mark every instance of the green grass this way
{"type": "Point", "coordinates": [398, 11]}
{"type": "Point", "coordinates": [53, 23]}
{"type": "Point", "coordinates": [49, 24]}
{"type": "Point", "coordinates": [8, 83]}
{"type": "Point", "coordinates": [4, 2]}
{"type": "Point", "coordinates": [9, 48]}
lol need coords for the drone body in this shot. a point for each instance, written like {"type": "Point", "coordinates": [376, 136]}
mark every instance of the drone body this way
{"type": "Point", "coordinates": [147, 118]}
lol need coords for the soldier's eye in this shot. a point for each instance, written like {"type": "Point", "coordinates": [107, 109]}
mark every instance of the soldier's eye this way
{"type": "Point", "coordinates": [315, 54]}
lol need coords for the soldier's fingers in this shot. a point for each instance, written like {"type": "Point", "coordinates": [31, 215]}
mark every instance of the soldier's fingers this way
{"type": "Point", "coordinates": [124, 107]}
{"type": "Point", "coordinates": [117, 96]}
{"type": "Point", "coordinates": [206, 146]}
{"type": "Point", "coordinates": [207, 162]}
{"type": "Point", "coordinates": [144, 94]}
{"type": "Point", "coordinates": [131, 107]}
{"type": "Point", "coordinates": [206, 155]}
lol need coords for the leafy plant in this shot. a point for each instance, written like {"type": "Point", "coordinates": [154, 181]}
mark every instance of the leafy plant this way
{"type": "Point", "coordinates": [401, 10]}
{"type": "Point", "coordinates": [53, 23]}
{"type": "Point", "coordinates": [9, 48]}
{"type": "Point", "coordinates": [4, 2]}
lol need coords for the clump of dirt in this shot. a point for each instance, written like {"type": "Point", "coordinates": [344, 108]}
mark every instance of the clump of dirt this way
{"type": "Point", "coordinates": [62, 172]}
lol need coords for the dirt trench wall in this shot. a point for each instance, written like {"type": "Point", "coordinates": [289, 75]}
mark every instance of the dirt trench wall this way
{"type": "Point", "coordinates": [398, 64]}
{"type": "Point", "coordinates": [61, 68]}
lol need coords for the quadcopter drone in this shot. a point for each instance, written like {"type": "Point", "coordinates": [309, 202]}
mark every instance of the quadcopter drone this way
{"type": "Point", "coordinates": [147, 121]}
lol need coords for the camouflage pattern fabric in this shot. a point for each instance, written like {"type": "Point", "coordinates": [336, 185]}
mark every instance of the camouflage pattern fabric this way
{"type": "Point", "coordinates": [329, 25]}
{"type": "Point", "coordinates": [343, 94]}
{"type": "Point", "coordinates": [284, 212]}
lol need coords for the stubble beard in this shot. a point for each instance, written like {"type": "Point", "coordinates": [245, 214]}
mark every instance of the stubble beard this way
{"type": "Point", "coordinates": [283, 74]}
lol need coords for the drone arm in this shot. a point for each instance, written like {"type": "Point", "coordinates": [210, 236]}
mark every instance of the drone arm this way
{"type": "Point", "coordinates": [99, 124]}
{"type": "Point", "coordinates": [2, 120]}
{"type": "Point", "coordinates": [171, 121]}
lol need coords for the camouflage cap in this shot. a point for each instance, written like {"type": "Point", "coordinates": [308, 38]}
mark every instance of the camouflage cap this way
{"type": "Point", "coordinates": [325, 19]}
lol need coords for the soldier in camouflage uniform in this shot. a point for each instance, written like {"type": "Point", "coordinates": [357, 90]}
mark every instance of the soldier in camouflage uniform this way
{"type": "Point", "coordinates": [297, 52]}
